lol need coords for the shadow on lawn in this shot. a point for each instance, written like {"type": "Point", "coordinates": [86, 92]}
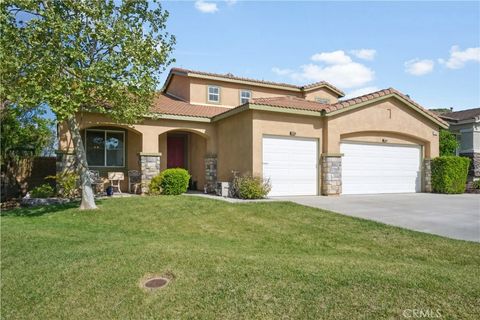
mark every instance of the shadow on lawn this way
{"type": "Point", "coordinates": [42, 210]}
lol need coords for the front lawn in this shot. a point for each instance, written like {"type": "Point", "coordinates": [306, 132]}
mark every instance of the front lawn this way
{"type": "Point", "coordinates": [227, 261]}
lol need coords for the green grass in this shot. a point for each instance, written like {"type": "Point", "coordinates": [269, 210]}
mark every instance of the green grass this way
{"type": "Point", "coordinates": [226, 261]}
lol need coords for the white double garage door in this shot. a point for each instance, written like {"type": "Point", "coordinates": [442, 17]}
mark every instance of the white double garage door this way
{"type": "Point", "coordinates": [292, 165]}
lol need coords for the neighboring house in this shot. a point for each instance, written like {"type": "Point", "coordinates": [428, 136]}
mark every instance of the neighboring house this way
{"type": "Point", "coordinates": [301, 137]}
{"type": "Point", "coordinates": [466, 125]}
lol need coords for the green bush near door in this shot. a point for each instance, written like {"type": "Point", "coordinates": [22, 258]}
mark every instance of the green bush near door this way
{"type": "Point", "coordinates": [170, 182]}
{"type": "Point", "coordinates": [449, 174]}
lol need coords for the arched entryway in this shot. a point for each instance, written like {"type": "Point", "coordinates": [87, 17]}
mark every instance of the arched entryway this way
{"type": "Point", "coordinates": [185, 149]}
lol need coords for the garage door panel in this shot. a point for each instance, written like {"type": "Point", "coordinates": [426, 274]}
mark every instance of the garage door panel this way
{"type": "Point", "coordinates": [291, 165]}
{"type": "Point", "coordinates": [380, 168]}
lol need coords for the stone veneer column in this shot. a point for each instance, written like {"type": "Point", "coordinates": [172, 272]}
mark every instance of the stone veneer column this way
{"type": "Point", "coordinates": [427, 175]}
{"type": "Point", "coordinates": [331, 168]}
{"type": "Point", "coordinates": [474, 169]}
{"type": "Point", "coordinates": [149, 167]}
{"type": "Point", "coordinates": [210, 173]}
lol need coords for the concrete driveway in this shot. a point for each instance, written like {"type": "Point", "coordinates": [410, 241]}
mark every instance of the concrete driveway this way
{"type": "Point", "coordinates": [453, 216]}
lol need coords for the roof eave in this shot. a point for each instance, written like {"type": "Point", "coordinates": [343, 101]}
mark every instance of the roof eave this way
{"type": "Point", "coordinates": [442, 123]}
{"type": "Point", "coordinates": [340, 94]}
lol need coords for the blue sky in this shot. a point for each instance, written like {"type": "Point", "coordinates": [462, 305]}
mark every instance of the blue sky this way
{"type": "Point", "coordinates": [429, 50]}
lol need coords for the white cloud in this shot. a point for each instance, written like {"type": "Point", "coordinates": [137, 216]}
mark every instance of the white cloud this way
{"type": "Point", "coordinates": [334, 57]}
{"type": "Point", "coordinates": [360, 92]}
{"type": "Point", "coordinates": [458, 58]}
{"type": "Point", "coordinates": [365, 54]}
{"type": "Point", "coordinates": [347, 75]}
{"type": "Point", "coordinates": [231, 2]}
{"type": "Point", "coordinates": [282, 72]}
{"type": "Point", "coordinates": [206, 7]}
{"type": "Point", "coordinates": [419, 67]}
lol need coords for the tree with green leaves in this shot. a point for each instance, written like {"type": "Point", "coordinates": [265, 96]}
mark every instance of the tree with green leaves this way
{"type": "Point", "coordinates": [448, 143]}
{"type": "Point", "coordinates": [83, 56]}
{"type": "Point", "coordinates": [24, 134]}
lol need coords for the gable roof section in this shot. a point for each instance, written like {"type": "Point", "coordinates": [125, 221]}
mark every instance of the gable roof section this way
{"type": "Point", "coordinates": [462, 115]}
{"type": "Point", "coordinates": [306, 107]}
{"type": "Point", "coordinates": [167, 105]}
{"type": "Point", "coordinates": [261, 83]}
{"type": "Point", "coordinates": [360, 101]}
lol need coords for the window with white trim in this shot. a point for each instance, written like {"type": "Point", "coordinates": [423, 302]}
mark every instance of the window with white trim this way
{"type": "Point", "coordinates": [105, 148]}
{"type": "Point", "coordinates": [322, 100]}
{"type": "Point", "coordinates": [213, 94]}
{"type": "Point", "coordinates": [245, 96]}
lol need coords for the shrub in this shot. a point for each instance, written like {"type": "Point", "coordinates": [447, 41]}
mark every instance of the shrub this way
{"type": "Point", "coordinates": [67, 184]}
{"type": "Point", "coordinates": [449, 174]}
{"type": "Point", "coordinates": [249, 187]}
{"type": "Point", "coordinates": [170, 182]}
{"type": "Point", "coordinates": [43, 191]}
{"type": "Point", "coordinates": [448, 143]}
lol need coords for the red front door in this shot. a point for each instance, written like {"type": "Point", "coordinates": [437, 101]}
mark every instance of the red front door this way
{"type": "Point", "coordinates": [176, 152]}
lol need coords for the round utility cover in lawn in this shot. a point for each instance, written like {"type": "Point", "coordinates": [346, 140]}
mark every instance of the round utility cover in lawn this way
{"type": "Point", "coordinates": [155, 283]}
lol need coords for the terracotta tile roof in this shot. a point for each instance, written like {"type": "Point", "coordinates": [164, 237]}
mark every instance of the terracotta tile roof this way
{"type": "Point", "coordinates": [230, 76]}
{"type": "Point", "coordinates": [461, 115]}
{"type": "Point", "coordinates": [290, 103]}
{"type": "Point", "coordinates": [165, 104]}
{"type": "Point", "coordinates": [377, 94]}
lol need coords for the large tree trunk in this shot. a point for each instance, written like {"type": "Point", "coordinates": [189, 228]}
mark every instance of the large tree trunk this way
{"type": "Point", "coordinates": [88, 199]}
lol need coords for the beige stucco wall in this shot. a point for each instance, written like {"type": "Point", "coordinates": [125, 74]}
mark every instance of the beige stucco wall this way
{"type": "Point", "coordinates": [234, 145]}
{"type": "Point", "coordinates": [323, 93]}
{"type": "Point", "coordinates": [150, 136]}
{"type": "Point", "coordinates": [230, 92]}
{"type": "Point", "coordinates": [197, 148]}
{"type": "Point", "coordinates": [237, 140]}
{"type": "Point", "coordinates": [391, 120]}
{"type": "Point", "coordinates": [179, 86]}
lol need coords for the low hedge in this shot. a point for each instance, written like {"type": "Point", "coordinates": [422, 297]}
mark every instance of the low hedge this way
{"type": "Point", "coordinates": [449, 174]}
{"type": "Point", "coordinates": [170, 182]}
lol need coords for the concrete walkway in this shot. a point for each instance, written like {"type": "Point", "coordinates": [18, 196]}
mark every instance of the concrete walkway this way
{"type": "Point", "coordinates": [453, 216]}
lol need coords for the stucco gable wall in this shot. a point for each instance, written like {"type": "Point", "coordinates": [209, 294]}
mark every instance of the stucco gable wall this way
{"type": "Point", "coordinates": [230, 92]}
{"type": "Point", "coordinates": [389, 120]}
{"type": "Point", "coordinates": [179, 87]}
{"type": "Point", "coordinates": [322, 93]}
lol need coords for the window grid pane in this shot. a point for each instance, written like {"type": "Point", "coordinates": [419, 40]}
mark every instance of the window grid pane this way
{"type": "Point", "coordinates": [214, 94]}
{"type": "Point", "coordinates": [245, 96]}
{"type": "Point", "coordinates": [95, 147]}
{"type": "Point", "coordinates": [114, 149]}
{"type": "Point", "coordinates": [105, 148]}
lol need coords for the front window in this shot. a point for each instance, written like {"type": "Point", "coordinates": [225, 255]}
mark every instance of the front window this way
{"type": "Point", "coordinates": [105, 148]}
{"type": "Point", "coordinates": [213, 94]}
{"type": "Point", "coordinates": [245, 96]}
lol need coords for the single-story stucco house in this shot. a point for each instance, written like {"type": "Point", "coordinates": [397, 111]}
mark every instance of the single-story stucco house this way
{"type": "Point", "coordinates": [465, 124]}
{"type": "Point", "coordinates": [303, 138]}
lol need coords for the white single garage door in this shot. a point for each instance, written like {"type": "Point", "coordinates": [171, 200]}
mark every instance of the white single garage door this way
{"type": "Point", "coordinates": [380, 168]}
{"type": "Point", "coordinates": [291, 165]}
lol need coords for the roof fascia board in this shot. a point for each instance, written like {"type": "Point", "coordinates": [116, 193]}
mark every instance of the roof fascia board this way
{"type": "Point", "coordinates": [391, 95]}
{"type": "Point", "coordinates": [230, 113]}
{"type": "Point", "coordinates": [339, 93]}
{"type": "Point", "coordinates": [252, 83]}
{"type": "Point", "coordinates": [286, 110]}
{"type": "Point", "coordinates": [157, 116]}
